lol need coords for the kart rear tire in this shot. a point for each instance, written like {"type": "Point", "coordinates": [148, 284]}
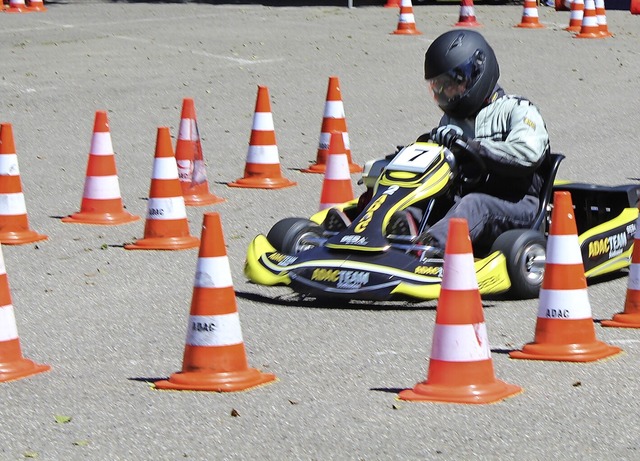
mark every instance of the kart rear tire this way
{"type": "Point", "coordinates": [288, 235]}
{"type": "Point", "coordinates": [525, 251]}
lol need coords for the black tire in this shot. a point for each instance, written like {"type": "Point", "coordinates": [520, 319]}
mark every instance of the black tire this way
{"type": "Point", "coordinates": [525, 251]}
{"type": "Point", "coordinates": [289, 235]}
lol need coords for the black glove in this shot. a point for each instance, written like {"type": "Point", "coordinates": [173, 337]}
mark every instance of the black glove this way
{"type": "Point", "coordinates": [447, 135]}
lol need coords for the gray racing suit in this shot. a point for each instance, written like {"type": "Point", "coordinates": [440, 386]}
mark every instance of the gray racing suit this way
{"type": "Point", "coordinates": [511, 137]}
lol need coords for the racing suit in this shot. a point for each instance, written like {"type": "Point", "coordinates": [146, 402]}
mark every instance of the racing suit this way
{"type": "Point", "coordinates": [511, 137]}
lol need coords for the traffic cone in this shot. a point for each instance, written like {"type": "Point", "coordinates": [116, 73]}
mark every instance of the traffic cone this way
{"type": "Point", "coordinates": [336, 187]}
{"type": "Point", "coordinates": [333, 120]}
{"type": "Point", "coordinates": [630, 317]}
{"type": "Point", "coordinates": [17, 6]}
{"type": "Point", "coordinates": [467, 17]}
{"type": "Point", "coordinates": [214, 355]}
{"type": "Point", "coordinates": [576, 15]}
{"type": "Point", "coordinates": [406, 20]}
{"type": "Point", "coordinates": [564, 330]}
{"type": "Point", "coordinates": [14, 223]}
{"type": "Point", "coordinates": [392, 4]}
{"type": "Point", "coordinates": [101, 200]}
{"type": "Point", "coordinates": [562, 5]}
{"type": "Point", "coordinates": [262, 169]}
{"type": "Point", "coordinates": [634, 8]}
{"type": "Point", "coordinates": [37, 5]}
{"type": "Point", "coordinates": [166, 227]}
{"type": "Point", "coordinates": [530, 16]}
{"type": "Point", "coordinates": [460, 367]}
{"type": "Point", "coordinates": [601, 16]}
{"type": "Point", "coordinates": [589, 27]}
{"type": "Point", "coordinates": [191, 168]}
{"type": "Point", "coordinates": [12, 364]}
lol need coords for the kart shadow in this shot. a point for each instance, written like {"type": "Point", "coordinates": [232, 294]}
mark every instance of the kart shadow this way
{"type": "Point", "coordinates": [294, 300]}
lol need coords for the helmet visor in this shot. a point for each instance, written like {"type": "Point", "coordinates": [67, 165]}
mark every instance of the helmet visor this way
{"type": "Point", "coordinates": [455, 83]}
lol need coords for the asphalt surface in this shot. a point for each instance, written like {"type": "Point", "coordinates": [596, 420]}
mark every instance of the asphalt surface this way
{"type": "Point", "coordinates": [111, 321]}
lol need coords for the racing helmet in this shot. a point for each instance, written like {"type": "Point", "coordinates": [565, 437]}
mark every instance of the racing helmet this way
{"type": "Point", "coordinates": [462, 71]}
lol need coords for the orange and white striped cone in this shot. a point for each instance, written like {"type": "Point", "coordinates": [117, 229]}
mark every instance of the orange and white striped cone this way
{"type": "Point", "coordinates": [14, 223]}
{"type": "Point", "coordinates": [467, 17]}
{"type": "Point", "coordinates": [332, 120]}
{"type": "Point", "coordinates": [191, 167]}
{"type": "Point", "coordinates": [17, 6]}
{"type": "Point", "coordinates": [12, 364]}
{"type": "Point", "coordinates": [630, 317]}
{"type": "Point", "coordinates": [167, 227]}
{"type": "Point", "coordinates": [214, 354]}
{"type": "Point", "coordinates": [564, 329]}
{"type": "Point", "coordinates": [460, 366]}
{"type": "Point", "coordinates": [576, 15]}
{"type": "Point", "coordinates": [262, 168]}
{"type": "Point", "coordinates": [601, 16]}
{"type": "Point", "coordinates": [589, 27]}
{"type": "Point", "coordinates": [101, 199]}
{"type": "Point", "coordinates": [37, 6]}
{"type": "Point", "coordinates": [530, 16]}
{"type": "Point", "coordinates": [406, 20]}
{"type": "Point", "coordinates": [336, 187]}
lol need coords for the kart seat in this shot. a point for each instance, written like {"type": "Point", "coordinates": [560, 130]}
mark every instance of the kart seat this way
{"type": "Point", "coordinates": [553, 163]}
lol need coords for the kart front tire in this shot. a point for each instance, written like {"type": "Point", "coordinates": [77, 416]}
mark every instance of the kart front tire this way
{"type": "Point", "coordinates": [289, 235]}
{"type": "Point", "coordinates": [525, 251]}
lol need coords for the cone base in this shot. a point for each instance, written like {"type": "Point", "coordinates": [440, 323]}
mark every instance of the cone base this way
{"type": "Point", "coordinates": [20, 237]}
{"type": "Point", "coordinates": [530, 25]}
{"type": "Point", "coordinates": [406, 32]}
{"type": "Point", "coordinates": [262, 183]}
{"type": "Point", "coordinates": [215, 382]}
{"type": "Point", "coordinates": [202, 200]}
{"type": "Point", "coordinates": [37, 9]}
{"type": "Point", "coordinates": [106, 219]}
{"type": "Point", "coordinates": [588, 35]}
{"type": "Point", "coordinates": [164, 243]}
{"type": "Point", "coordinates": [20, 369]}
{"type": "Point", "coordinates": [623, 320]}
{"type": "Point", "coordinates": [585, 352]}
{"type": "Point", "coordinates": [481, 393]}
{"type": "Point", "coordinates": [321, 168]}
{"type": "Point", "coordinates": [573, 28]}
{"type": "Point", "coordinates": [467, 24]}
{"type": "Point", "coordinates": [17, 10]}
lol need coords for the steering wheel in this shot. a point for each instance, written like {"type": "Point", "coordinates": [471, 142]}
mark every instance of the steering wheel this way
{"type": "Point", "coordinates": [464, 154]}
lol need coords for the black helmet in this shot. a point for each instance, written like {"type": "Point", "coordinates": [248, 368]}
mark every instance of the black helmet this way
{"type": "Point", "coordinates": [462, 71]}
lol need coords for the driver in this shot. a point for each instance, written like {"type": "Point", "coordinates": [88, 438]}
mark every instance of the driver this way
{"type": "Point", "coordinates": [507, 132]}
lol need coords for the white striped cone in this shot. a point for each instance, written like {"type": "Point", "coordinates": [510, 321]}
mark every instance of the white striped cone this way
{"type": "Point", "coordinates": [564, 327]}
{"type": "Point", "coordinates": [630, 317]}
{"type": "Point", "coordinates": [530, 16]}
{"type": "Point", "coordinates": [262, 168]}
{"type": "Point", "coordinates": [460, 366]}
{"type": "Point", "coordinates": [575, 16]}
{"type": "Point", "coordinates": [590, 27]}
{"type": "Point", "coordinates": [336, 187]}
{"type": "Point", "coordinates": [214, 355]}
{"type": "Point", "coordinates": [101, 199]}
{"type": "Point", "coordinates": [601, 17]}
{"type": "Point", "coordinates": [166, 227]}
{"type": "Point", "coordinates": [14, 222]}
{"type": "Point", "coordinates": [17, 6]}
{"type": "Point", "coordinates": [467, 16]}
{"type": "Point", "coordinates": [12, 364]}
{"type": "Point", "coordinates": [37, 5]}
{"type": "Point", "coordinates": [406, 20]}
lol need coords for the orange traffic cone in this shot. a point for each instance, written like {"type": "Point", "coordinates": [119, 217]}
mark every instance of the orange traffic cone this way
{"type": "Point", "coordinates": [12, 364]}
{"type": "Point", "coordinates": [262, 169]}
{"type": "Point", "coordinates": [564, 329]}
{"type": "Point", "coordinates": [601, 16]}
{"type": "Point", "coordinates": [392, 4]}
{"type": "Point", "coordinates": [576, 15]}
{"type": "Point", "coordinates": [333, 120]}
{"type": "Point", "coordinates": [634, 8]}
{"type": "Point", "coordinates": [406, 20]}
{"type": "Point", "coordinates": [14, 223]}
{"type": "Point", "coordinates": [166, 227]}
{"type": "Point", "coordinates": [336, 187]}
{"type": "Point", "coordinates": [37, 5]}
{"type": "Point", "coordinates": [17, 6]}
{"type": "Point", "coordinates": [589, 27]}
{"type": "Point", "coordinates": [101, 200]}
{"type": "Point", "coordinates": [214, 355]}
{"type": "Point", "coordinates": [191, 168]}
{"type": "Point", "coordinates": [630, 317]}
{"type": "Point", "coordinates": [467, 17]}
{"type": "Point", "coordinates": [530, 16]}
{"type": "Point", "coordinates": [460, 367]}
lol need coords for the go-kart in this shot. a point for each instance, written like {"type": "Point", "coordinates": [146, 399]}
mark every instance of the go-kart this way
{"type": "Point", "coordinates": [348, 251]}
